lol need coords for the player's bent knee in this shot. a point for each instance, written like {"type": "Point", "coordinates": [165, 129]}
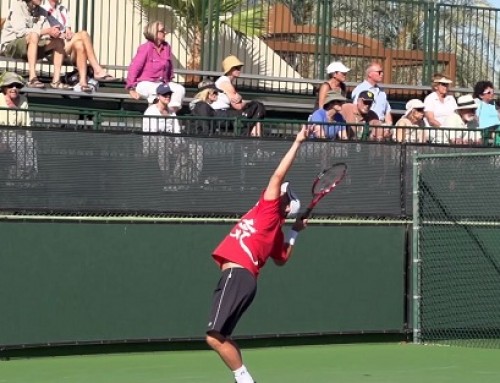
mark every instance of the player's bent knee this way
{"type": "Point", "coordinates": [214, 339]}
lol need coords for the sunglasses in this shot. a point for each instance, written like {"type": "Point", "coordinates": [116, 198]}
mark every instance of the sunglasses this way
{"type": "Point", "coordinates": [421, 110]}
{"type": "Point", "coordinates": [444, 84]}
{"type": "Point", "coordinates": [14, 85]}
{"type": "Point", "coordinates": [161, 30]}
{"type": "Point", "coordinates": [378, 71]}
{"type": "Point", "coordinates": [489, 92]}
{"type": "Point", "coordinates": [369, 103]}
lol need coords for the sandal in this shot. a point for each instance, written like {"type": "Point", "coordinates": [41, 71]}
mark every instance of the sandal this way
{"type": "Point", "coordinates": [86, 88]}
{"type": "Point", "coordinates": [105, 78]}
{"type": "Point", "coordinates": [59, 85]}
{"type": "Point", "coordinates": [35, 83]}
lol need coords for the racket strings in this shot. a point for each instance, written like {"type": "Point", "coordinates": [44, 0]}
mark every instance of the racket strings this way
{"type": "Point", "coordinates": [329, 178]}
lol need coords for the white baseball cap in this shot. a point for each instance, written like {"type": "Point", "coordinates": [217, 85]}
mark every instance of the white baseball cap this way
{"type": "Point", "coordinates": [336, 66]}
{"type": "Point", "coordinates": [294, 200]}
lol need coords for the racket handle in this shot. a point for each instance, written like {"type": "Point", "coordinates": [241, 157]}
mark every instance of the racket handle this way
{"type": "Point", "coordinates": [307, 213]}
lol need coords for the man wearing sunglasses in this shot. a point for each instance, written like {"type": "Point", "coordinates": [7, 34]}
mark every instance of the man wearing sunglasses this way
{"type": "Point", "coordinates": [374, 75]}
{"type": "Point", "coordinates": [360, 115]}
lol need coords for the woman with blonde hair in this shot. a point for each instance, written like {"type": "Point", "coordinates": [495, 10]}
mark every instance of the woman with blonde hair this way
{"type": "Point", "coordinates": [153, 65]}
{"type": "Point", "coordinates": [231, 102]}
{"type": "Point", "coordinates": [201, 106]}
{"type": "Point", "coordinates": [413, 118]}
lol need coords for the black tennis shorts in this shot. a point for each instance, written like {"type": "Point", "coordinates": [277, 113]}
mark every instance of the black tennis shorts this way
{"type": "Point", "coordinates": [234, 294]}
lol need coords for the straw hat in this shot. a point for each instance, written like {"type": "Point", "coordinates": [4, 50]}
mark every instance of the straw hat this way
{"type": "Point", "coordinates": [230, 62]}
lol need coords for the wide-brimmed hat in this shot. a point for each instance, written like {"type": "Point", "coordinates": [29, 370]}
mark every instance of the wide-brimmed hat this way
{"type": "Point", "coordinates": [294, 199]}
{"type": "Point", "coordinates": [230, 62]}
{"type": "Point", "coordinates": [337, 66]}
{"type": "Point", "coordinates": [466, 102]}
{"type": "Point", "coordinates": [333, 96]}
{"type": "Point", "coordinates": [9, 78]}
{"type": "Point", "coordinates": [414, 103]}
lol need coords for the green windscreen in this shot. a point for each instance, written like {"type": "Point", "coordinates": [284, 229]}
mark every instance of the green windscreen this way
{"type": "Point", "coordinates": [458, 250]}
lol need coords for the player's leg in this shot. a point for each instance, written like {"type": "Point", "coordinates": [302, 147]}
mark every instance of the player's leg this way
{"type": "Point", "coordinates": [233, 295]}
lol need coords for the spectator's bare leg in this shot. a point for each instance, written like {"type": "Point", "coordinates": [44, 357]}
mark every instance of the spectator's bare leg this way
{"type": "Point", "coordinates": [256, 130]}
{"type": "Point", "coordinates": [81, 61]}
{"type": "Point", "coordinates": [32, 53]}
{"type": "Point", "coordinates": [58, 46]}
{"type": "Point", "coordinates": [83, 37]}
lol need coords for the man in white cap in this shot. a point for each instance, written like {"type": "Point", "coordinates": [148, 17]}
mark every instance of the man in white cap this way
{"type": "Point", "coordinates": [336, 82]}
{"type": "Point", "coordinates": [463, 123]}
{"type": "Point", "coordinates": [413, 118]}
{"type": "Point", "coordinates": [244, 251]}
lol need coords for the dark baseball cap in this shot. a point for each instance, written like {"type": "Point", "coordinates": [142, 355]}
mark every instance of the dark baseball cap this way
{"type": "Point", "coordinates": [163, 89]}
{"type": "Point", "coordinates": [366, 96]}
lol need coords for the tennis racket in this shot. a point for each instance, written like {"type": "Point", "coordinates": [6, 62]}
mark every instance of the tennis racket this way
{"type": "Point", "coordinates": [324, 183]}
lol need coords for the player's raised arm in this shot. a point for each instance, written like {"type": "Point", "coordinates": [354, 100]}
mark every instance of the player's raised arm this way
{"type": "Point", "coordinates": [273, 189]}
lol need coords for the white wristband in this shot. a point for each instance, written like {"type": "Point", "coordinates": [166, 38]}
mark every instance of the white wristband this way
{"type": "Point", "coordinates": [292, 236]}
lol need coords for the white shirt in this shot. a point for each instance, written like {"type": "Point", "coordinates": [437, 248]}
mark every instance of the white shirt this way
{"type": "Point", "coordinates": [223, 101]}
{"type": "Point", "coordinates": [158, 124]}
{"type": "Point", "coordinates": [58, 16]}
{"type": "Point", "coordinates": [441, 110]}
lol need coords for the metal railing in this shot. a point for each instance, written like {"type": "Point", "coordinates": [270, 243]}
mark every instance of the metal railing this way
{"type": "Point", "coordinates": [298, 39]}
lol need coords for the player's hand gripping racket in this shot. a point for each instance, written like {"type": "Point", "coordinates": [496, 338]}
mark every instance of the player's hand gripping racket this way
{"type": "Point", "coordinates": [324, 183]}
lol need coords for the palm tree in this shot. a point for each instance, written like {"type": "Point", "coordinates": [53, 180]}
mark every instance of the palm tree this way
{"type": "Point", "coordinates": [201, 20]}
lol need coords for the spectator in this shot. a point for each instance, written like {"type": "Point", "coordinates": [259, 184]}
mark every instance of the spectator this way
{"type": "Point", "coordinates": [486, 112]}
{"type": "Point", "coordinates": [373, 77]}
{"type": "Point", "coordinates": [160, 109]}
{"type": "Point", "coordinates": [439, 104]}
{"type": "Point", "coordinates": [28, 36]}
{"type": "Point", "coordinates": [78, 46]}
{"type": "Point", "coordinates": [333, 125]}
{"type": "Point", "coordinates": [463, 119]}
{"type": "Point", "coordinates": [201, 106]}
{"type": "Point", "coordinates": [336, 82]}
{"type": "Point", "coordinates": [359, 112]}
{"type": "Point", "coordinates": [14, 113]}
{"type": "Point", "coordinates": [413, 118]}
{"type": "Point", "coordinates": [231, 102]}
{"type": "Point", "coordinates": [152, 65]}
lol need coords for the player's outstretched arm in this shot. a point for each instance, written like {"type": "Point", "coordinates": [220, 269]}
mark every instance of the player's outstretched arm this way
{"type": "Point", "coordinates": [273, 189]}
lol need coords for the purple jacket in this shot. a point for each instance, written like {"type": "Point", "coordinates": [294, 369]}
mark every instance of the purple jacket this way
{"type": "Point", "coordinates": [149, 65]}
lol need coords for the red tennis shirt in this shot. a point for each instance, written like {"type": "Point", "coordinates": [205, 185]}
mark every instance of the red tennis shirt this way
{"type": "Point", "coordinates": [255, 238]}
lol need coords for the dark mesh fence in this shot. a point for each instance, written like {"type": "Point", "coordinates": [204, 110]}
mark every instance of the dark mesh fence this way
{"type": "Point", "coordinates": [458, 247]}
{"type": "Point", "coordinates": [108, 172]}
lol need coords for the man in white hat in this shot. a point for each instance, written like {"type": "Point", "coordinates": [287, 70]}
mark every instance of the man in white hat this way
{"type": "Point", "coordinates": [337, 73]}
{"type": "Point", "coordinates": [460, 126]}
{"type": "Point", "coordinates": [413, 118]}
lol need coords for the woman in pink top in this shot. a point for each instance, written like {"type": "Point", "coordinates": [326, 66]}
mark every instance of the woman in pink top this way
{"type": "Point", "coordinates": [152, 65]}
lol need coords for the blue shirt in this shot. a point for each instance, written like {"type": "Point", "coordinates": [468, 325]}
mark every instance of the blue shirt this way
{"type": "Point", "coordinates": [487, 115]}
{"type": "Point", "coordinates": [331, 131]}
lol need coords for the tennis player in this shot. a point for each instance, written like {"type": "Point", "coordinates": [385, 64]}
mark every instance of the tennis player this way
{"type": "Point", "coordinates": [244, 251]}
